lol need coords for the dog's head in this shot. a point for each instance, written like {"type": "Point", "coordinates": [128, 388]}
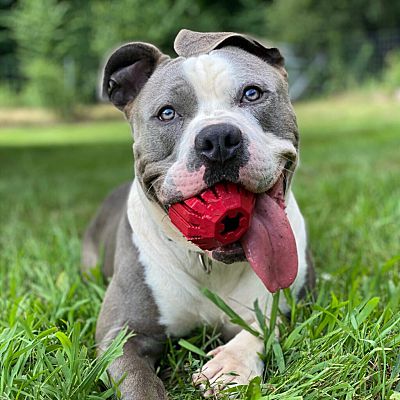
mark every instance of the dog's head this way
{"type": "Point", "coordinates": [219, 112]}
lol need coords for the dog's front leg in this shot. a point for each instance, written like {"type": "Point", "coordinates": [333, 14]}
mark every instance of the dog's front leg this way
{"type": "Point", "coordinates": [136, 369]}
{"type": "Point", "coordinates": [236, 362]}
{"type": "Point", "coordinates": [129, 302]}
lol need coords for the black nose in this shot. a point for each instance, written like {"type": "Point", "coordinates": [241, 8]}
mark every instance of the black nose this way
{"type": "Point", "coordinates": [219, 142]}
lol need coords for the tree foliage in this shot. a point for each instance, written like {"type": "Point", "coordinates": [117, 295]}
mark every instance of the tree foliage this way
{"type": "Point", "coordinates": [56, 47]}
{"type": "Point", "coordinates": [343, 32]}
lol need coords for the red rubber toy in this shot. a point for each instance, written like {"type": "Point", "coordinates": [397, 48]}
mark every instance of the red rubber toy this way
{"type": "Point", "coordinates": [216, 217]}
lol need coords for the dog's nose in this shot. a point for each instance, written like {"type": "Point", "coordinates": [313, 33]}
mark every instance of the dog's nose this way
{"type": "Point", "coordinates": [219, 142]}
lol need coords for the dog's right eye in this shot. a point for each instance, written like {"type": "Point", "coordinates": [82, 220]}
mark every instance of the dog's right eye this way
{"type": "Point", "coordinates": [166, 114]}
{"type": "Point", "coordinates": [250, 94]}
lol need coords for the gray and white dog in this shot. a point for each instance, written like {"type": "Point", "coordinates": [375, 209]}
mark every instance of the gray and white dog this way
{"type": "Point", "coordinates": [220, 112]}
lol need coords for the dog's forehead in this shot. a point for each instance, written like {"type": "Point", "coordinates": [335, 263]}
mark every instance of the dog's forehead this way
{"type": "Point", "coordinates": [211, 76]}
{"type": "Point", "coordinates": [165, 79]}
{"type": "Point", "coordinates": [241, 66]}
{"type": "Point", "coordinates": [218, 72]}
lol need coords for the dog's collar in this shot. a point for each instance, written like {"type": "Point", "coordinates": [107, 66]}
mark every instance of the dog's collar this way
{"type": "Point", "coordinates": [205, 263]}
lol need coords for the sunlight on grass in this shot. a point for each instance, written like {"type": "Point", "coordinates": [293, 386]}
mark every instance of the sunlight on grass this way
{"type": "Point", "coordinates": [64, 134]}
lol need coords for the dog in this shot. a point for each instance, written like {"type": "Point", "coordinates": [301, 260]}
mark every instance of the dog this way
{"type": "Point", "coordinates": [219, 112]}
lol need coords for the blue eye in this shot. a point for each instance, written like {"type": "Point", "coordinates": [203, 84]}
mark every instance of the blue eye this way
{"type": "Point", "coordinates": [166, 114]}
{"type": "Point", "coordinates": [251, 93]}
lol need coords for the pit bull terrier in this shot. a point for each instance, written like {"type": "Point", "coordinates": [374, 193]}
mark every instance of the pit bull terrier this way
{"type": "Point", "coordinates": [220, 112]}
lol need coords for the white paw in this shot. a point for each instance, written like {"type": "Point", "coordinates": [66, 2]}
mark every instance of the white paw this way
{"type": "Point", "coordinates": [229, 366]}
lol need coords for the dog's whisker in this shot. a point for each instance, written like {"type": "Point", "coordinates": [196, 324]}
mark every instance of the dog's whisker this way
{"type": "Point", "coordinates": [280, 155]}
{"type": "Point", "coordinates": [153, 184]}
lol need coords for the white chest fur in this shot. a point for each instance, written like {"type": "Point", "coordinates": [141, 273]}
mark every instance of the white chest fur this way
{"type": "Point", "coordinates": [174, 273]}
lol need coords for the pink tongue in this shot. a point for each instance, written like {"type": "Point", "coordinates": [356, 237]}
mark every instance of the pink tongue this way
{"type": "Point", "coordinates": [269, 244]}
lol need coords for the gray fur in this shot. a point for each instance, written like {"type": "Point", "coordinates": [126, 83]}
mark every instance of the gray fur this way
{"type": "Point", "coordinates": [100, 235]}
{"type": "Point", "coordinates": [128, 301]}
{"type": "Point", "coordinates": [309, 284]}
{"type": "Point", "coordinates": [155, 141]}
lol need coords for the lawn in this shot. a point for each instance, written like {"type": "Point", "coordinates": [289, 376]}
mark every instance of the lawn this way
{"type": "Point", "coordinates": [345, 345]}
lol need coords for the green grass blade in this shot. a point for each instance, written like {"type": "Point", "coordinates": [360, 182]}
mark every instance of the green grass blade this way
{"type": "Point", "coordinates": [234, 317]}
{"type": "Point", "coordinates": [191, 347]}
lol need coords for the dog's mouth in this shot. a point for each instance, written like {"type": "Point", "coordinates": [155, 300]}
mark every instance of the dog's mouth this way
{"type": "Point", "coordinates": [234, 252]}
{"type": "Point", "coordinates": [256, 229]}
{"type": "Point", "coordinates": [269, 244]}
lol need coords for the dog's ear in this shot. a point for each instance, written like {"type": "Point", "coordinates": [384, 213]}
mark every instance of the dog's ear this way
{"type": "Point", "coordinates": [127, 70]}
{"type": "Point", "coordinates": [189, 43]}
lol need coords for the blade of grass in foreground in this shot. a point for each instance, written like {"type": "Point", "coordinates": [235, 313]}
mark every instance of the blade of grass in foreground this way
{"type": "Point", "coordinates": [191, 347]}
{"type": "Point", "coordinates": [234, 317]}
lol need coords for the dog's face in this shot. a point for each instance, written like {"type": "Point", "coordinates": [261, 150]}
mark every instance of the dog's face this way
{"type": "Point", "coordinates": [219, 112]}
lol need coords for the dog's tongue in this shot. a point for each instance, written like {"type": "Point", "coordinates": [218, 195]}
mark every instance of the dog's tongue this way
{"type": "Point", "coordinates": [269, 243]}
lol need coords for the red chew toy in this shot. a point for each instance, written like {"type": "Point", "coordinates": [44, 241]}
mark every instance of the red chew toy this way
{"type": "Point", "coordinates": [218, 216]}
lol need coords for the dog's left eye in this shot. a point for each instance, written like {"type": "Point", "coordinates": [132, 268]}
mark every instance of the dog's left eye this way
{"type": "Point", "coordinates": [166, 114]}
{"type": "Point", "coordinates": [251, 93]}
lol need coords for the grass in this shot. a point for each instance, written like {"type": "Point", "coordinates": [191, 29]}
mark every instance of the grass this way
{"type": "Point", "coordinates": [62, 134]}
{"type": "Point", "coordinates": [345, 345]}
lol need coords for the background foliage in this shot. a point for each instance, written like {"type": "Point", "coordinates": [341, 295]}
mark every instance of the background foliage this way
{"type": "Point", "coordinates": [52, 50]}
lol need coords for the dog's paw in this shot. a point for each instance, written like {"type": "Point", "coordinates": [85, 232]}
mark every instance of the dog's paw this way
{"type": "Point", "coordinates": [229, 366]}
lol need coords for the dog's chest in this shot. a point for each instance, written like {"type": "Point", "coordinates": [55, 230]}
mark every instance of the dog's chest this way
{"type": "Point", "coordinates": [177, 291]}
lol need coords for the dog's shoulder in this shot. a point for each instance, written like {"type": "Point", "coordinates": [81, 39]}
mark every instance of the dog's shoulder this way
{"type": "Point", "coordinates": [100, 236]}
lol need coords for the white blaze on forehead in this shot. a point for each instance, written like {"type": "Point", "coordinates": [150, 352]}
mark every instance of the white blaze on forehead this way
{"type": "Point", "coordinates": [212, 79]}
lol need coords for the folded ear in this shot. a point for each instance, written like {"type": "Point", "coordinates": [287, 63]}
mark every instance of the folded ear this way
{"type": "Point", "coordinates": [127, 70]}
{"type": "Point", "coordinates": [189, 43]}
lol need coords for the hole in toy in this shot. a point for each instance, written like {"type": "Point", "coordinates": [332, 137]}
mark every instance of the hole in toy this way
{"type": "Point", "coordinates": [231, 223]}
